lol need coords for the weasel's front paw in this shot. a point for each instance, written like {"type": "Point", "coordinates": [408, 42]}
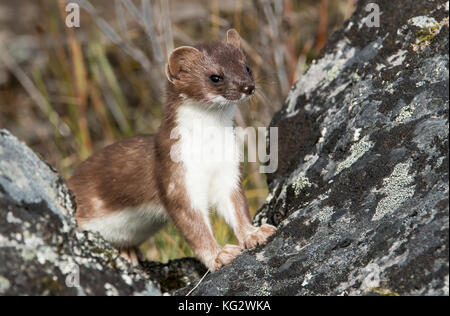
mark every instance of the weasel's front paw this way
{"type": "Point", "coordinates": [259, 236]}
{"type": "Point", "coordinates": [227, 254]}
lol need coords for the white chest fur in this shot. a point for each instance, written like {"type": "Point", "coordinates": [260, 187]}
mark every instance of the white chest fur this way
{"type": "Point", "coordinates": [208, 150]}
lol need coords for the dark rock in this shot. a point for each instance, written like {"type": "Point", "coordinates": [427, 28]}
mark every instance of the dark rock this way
{"type": "Point", "coordinates": [361, 194]}
{"type": "Point", "coordinates": [175, 274]}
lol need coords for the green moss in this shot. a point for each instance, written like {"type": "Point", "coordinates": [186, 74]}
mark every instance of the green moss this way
{"type": "Point", "coordinates": [50, 286]}
{"type": "Point", "coordinates": [426, 35]}
{"type": "Point", "coordinates": [100, 251]}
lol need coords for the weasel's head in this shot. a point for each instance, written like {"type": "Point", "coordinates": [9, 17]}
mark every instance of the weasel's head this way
{"type": "Point", "coordinates": [215, 72]}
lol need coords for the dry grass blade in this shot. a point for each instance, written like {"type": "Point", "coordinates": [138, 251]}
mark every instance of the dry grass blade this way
{"type": "Point", "coordinates": [112, 35]}
{"type": "Point", "coordinates": [121, 20]}
{"type": "Point", "coordinates": [278, 48]}
{"type": "Point", "coordinates": [167, 26]}
{"type": "Point", "coordinates": [132, 9]}
{"type": "Point", "coordinates": [80, 84]}
{"type": "Point", "coordinates": [198, 283]}
{"type": "Point", "coordinates": [86, 5]}
{"type": "Point", "coordinates": [147, 18]}
{"type": "Point", "coordinates": [109, 31]}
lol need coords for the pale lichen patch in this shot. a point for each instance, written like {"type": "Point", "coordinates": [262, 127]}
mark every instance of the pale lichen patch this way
{"type": "Point", "coordinates": [324, 196]}
{"type": "Point", "coordinates": [261, 257]}
{"type": "Point", "coordinates": [356, 77]}
{"type": "Point", "coordinates": [127, 279]}
{"type": "Point", "coordinates": [323, 133]}
{"type": "Point", "coordinates": [439, 162]}
{"type": "Point", "coordinates": [307, 278]}
{"type": "Point", "coordinates": [397, 59]}
{"type": "Point", "coordinates": [12, 220]}
{"type": "Point", "coordinates": [323, 215]}
{"type": "Point", "coordinates": [110, 290]}
{"type": "Point", "coordinates": [372, 277]}
{"type": "Point", "coordinates": [356, 151]}
{"type": "Point", "coordinates": [356, 134]}
{"type": "Point", "coordinates": [446, 280]}
{"type": "Point", "coordinates": [300, 183]}
{"type": "Point", "coordinates": [405, 113]}
{"type": "Point", "coordinates": [332, 73]}
{"type": "Point", "coordinates": [269, 197]}
{"type": "Point", "coordinates": [423, 21]}
{"type": "Point", "coordinates": [264, 290]}
{"type": "Point", "coordinates": [397, 188]}
{"type": "Point", "coordinates": [4, 284]}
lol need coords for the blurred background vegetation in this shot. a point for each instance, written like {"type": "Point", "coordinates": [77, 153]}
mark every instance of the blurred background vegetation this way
{"type": "Point", "coordinates": [67, 92]}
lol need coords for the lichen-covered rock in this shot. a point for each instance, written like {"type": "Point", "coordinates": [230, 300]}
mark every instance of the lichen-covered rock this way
{"type": "Point", "coordinates": [361, 194]}
{"type": "Point", "coordinates": [41, 251]}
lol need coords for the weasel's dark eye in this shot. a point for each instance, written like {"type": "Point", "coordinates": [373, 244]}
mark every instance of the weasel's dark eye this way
{"type": "Point", "coordinates": [215, 78]}
{"type": "Point", "coordinates": [248, 69]}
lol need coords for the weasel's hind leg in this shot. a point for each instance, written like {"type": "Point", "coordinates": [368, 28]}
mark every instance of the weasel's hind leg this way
{"type": "Point", "coordinates": [133, 255]}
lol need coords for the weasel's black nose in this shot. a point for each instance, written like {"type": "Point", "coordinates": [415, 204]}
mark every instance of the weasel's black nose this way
{"type": "Point", "coordinates": [248, 89]}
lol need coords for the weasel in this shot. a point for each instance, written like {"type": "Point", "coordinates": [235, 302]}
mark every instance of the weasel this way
{"type": "Point", "coordinates": [131, 189]}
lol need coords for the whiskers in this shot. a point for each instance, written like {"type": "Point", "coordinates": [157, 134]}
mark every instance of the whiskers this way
{"type": "Point", "coordinates": [221, 103]}
{"type": "Point", "coordinates": [266, 81]}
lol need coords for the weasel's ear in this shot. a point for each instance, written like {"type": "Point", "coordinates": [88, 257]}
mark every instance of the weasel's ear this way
{"type": "Point", "coordinates": [181, 56]}
{"type": "Point", "coordinates": [233, 38]}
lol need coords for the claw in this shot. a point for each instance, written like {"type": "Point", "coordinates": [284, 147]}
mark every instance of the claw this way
{"type": "Point", "coordinates": [259, 236]}
{"type": "Point", "coordinates": [226, 256]}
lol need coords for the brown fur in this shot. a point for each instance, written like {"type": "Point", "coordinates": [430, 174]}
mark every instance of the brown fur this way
{"type": "Point", "coordinates": [120, 175]}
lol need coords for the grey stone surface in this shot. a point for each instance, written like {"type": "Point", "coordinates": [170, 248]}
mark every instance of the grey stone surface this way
{"type": "Point", "coordinates": [361, 194]}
